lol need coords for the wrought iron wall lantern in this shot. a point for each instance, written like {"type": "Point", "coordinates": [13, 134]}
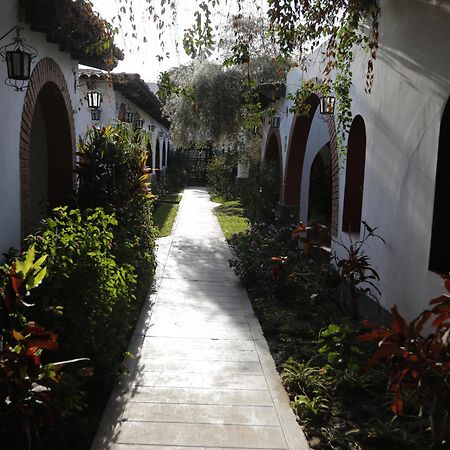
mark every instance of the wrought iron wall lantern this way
{"type": "Point", "coordinates": [327, 103]}
{"type": "Point", "coordinates": [95, 114]}
{"type": "Point", "coordinates": [18, 57]}
{"type": "Point", "coordinates": [151, 127]}
{"type": "Point", "coordinates": [129, 117]}
{"type": "Point", "coordinates": [139, 123]}
{"type": "Point", "coordinates": [276, 122]}
{"type": "Point", "coordinates": [94, 99]}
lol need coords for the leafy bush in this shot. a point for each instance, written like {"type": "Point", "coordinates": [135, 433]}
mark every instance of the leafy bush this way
{"type": "Point", "coordinates": [253, 252]}
{"type": "Point", "coordinates": [338, 343]}
{"type": "Point", "coordinates": [260, 192]}
{"type": "Point", "coordinates": [178, 171]}
{"type": "Point", "coordinates": [112, 176]}
{"type": "Point", "coordinates": [95, 294]}
{"type": "Point", "coordinates": [27, 385]}
{"type": "Point", "coordinates": [221, 173]}
{"type": "Point", "coordinates": [418, 364]}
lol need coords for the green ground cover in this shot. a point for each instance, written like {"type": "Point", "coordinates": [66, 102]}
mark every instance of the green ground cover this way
{"type": "Point", "coordinates": [165, 213]}
{"type": "Point", "coordinates": [231, 217]}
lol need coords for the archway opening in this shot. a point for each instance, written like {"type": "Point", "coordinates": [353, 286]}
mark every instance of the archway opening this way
{"type": "Point", "coordinates": [122, 112]}
{"type": "Point", "coordinates": [51, 158]}
{"type": "Point", "coordinates": [272, 168]}
{"type": "Point", "coordinates": [354, 176]}
{"type": "Point", "coordinates": [148, 161]}
{"type": "Point", "coordinates": [440, 241]}
{"type": "Point", "coordinates": [164, 154]}
{"type": "Point", "coordinates": [320, 192]}
{"type": "Point", "coordinates": [157, 160]}
{"type": "Point", "coordinates": [295, 158]}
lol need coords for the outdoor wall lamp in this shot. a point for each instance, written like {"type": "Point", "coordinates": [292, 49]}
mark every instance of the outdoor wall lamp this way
{"type": "Point", "coordinates": [139, 124]}
{"type": "Point", "coordinates": [129, 117]}
{"type": "Point", "coordinates": [327, 103]}
{"type": "Point", "coordinates": [18, 57]}
{"type": "Point", "coordinates": [276, 122]}
{"type": "Point", "coordinates": [151, 127]}
{"type": "Point", "coordinates": [95, 114]}
{"type": "Point", "coordinates": [94, 99]}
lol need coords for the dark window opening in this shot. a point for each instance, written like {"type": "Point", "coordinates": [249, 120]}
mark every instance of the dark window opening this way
{"type": "Point", "coordinates": [440, 240]}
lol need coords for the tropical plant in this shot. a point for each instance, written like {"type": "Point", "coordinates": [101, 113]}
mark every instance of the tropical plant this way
{"type": "Point", "coordinates": [338, 342]}
{"type": "Point", "coordinates": [418, 363]}
{"type": "Point", "coordinates": [355, 268]}
{"type": "Point", "coordinates": [112, 176]}
{"type": "Point", "coordinates": [311, 390]}
{"type": "Point", "coordinates": [27, 384]}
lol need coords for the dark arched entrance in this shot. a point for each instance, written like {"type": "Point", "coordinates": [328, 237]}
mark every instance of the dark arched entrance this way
{"type": "Point", "coordinates": [319, 197]}
{"type": "Point", "coordinates": [272, 165]}
{"type": "Point", "coordinates": [50, 153]}
{"type": "Point", "coordinates": [164, 154]}
{"type": "Point", "coordinates": [295, 158]}
{"type": "Point", "coordinates": [47, 144]}
{"type": "Point", "coordinates": [272, 154]}
{"type": "Point", "coordinates": [157, 160]}
{"type": "Point", "coordinates": [354, 176]}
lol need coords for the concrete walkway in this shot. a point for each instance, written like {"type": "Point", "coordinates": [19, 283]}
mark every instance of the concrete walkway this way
{"type": "Point", "coordinates": [203, 378]}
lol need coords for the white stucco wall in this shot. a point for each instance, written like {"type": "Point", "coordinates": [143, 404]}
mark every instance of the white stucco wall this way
{"type": "Point", "coordinates": [402, 118]}
{"type": "Point", "coordinates": [11, 106]}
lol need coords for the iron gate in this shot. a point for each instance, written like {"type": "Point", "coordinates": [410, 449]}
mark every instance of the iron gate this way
{"type": "Point", "coordinates": [199, 159]}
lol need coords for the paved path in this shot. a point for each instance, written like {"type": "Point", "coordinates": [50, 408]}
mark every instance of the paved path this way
{"type": "Point", "coordinates": [204, 378]}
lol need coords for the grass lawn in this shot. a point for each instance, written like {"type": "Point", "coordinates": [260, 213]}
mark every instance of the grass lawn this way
{"type": "Point", "coordinates": [165, 214]}
{"type": "Point", "coordinates": [231, 217]}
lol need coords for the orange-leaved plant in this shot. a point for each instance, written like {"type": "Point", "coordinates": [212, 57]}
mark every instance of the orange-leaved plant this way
{"type": "Point", "coordinates": [418, 363]}
{"type": "Point", "coordinates": [25, 382]}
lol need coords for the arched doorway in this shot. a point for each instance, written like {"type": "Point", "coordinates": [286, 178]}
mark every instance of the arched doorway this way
{"type": "Point", "coordinates": [272, 166]}
{"type": "Point", "coordinates": [354, 177]}
{"type": "Point", "coordinates": [440, 242]}
{"type": "Point", "coordinates": [319, 196]}
{"type": "Point", "coordinates": [157, 160]}
{"type": "Point", "coordinates": [272, 153]}
{"type": "Point", "coordinates": [294, 161]}
{"type": "Point", "coordinates": [122, 112]}
{"type": "Point", "coordinates": [50, 154]}
{"type": "Point", "coordinates": [164, 154]}
{"type": "Point", "coordinates": [47, 144]}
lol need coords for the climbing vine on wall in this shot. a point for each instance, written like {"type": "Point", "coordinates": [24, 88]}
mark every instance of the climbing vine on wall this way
{"type": "Point", "coordinates": [339, 26]}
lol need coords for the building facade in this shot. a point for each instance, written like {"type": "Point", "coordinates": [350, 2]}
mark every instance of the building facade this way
{"type": "Point", "coordinates": [393, 173]}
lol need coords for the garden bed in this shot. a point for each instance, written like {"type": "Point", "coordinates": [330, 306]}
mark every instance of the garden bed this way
{"type": "Point", "coordinates": [314, 342]}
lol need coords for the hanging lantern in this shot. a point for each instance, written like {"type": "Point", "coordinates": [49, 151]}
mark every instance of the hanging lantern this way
{"type": "Point", "coordinates": [94, 99]}
{"type": "Point", "coordinates": [327, 103]}
{"type": "Point", "coordinates": [95, 114]}
{"type": "Point", "coordinates": [129, 117]}
{"type": "Point", "coordinates": [276, 122]}
{"type": "Point", "coordinates": [18, 57]}
{"type": "Point", "coordinates": [139, 123]}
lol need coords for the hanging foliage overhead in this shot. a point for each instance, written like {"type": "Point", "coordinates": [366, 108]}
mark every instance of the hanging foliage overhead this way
{"type": "Point", "coordinates": [296, 28]}
{"type": "Point", "coordinates": [76, 28]}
